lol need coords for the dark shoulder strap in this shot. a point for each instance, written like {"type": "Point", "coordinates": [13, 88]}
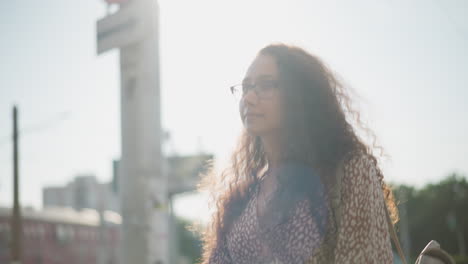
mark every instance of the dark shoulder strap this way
{"type": "Point", "coordinates": [394, 236]}
{"type": "Point", "coordinates": [335, 194]}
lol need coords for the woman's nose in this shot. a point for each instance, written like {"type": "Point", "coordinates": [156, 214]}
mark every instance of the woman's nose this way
{"type": "Point", "coordinates": [250, 97]}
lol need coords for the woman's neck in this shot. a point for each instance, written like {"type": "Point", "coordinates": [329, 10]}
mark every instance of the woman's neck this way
{"type": "Point", "coordinates": [272, 150]}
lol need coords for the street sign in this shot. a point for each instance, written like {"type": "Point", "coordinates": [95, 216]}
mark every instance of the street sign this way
{"type": "Point", "coordinates": [124, 27]}
{"type": "Point", "coordinates": [184, 172]}
{"type": "Point", "coordinates": [116, 1]}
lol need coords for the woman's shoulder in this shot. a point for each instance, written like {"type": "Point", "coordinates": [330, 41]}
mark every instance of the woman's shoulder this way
{"type": "Point", "coordinates": [361, 181]}
{"type": "Point", "coordinates": [361, 214]}
{"type": "Point", "coordinates": [359, 176]}
{"type": "Point", "coordinates": [358, 164]}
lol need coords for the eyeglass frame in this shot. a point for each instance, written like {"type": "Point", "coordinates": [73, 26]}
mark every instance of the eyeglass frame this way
{"type": "Point", "coordinates": [274, 85]}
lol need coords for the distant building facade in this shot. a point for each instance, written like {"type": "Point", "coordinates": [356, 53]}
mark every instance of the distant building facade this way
{"type": "Point", "coordinates": [63, 235]}
{"type": "Point", "coordinates": [83, 192]}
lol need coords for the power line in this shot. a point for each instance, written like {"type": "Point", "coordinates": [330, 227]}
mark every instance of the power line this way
{"type": "Point", "coordinates": [38, 127]}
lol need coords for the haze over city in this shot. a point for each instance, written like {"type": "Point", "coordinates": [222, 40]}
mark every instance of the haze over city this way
{"type": "Point", "coordinates": [406, 60]}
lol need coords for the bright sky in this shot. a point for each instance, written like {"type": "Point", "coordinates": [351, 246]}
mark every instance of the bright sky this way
{"type": "Point", "coordinates": [407, 59]}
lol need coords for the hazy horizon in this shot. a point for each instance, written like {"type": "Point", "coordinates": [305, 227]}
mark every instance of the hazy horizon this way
{"type": "Point", "coordinates": [407, 60]}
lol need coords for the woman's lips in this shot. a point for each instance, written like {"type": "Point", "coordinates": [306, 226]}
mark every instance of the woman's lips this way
{"type": "Point", "coordinates": [252, 116]}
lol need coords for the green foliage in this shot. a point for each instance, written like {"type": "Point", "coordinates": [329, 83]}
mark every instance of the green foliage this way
{"type": "Point", "coordinates": [190, 244]}
{"type": "Point", "coordinates": [436, 212]}
{"type": "Point", "coordinates": [461, 259]}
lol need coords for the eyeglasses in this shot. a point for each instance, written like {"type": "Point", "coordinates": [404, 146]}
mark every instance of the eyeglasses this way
{"type": "Point", "coordinates": [264, 89]}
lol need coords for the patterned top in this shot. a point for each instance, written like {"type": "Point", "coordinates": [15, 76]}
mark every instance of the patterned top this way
{"type": "Point", "coordinates": [312, 234]}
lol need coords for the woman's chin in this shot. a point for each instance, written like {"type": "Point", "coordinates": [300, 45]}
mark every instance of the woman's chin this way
{"type": "Point", "coordinates": [253, 130]}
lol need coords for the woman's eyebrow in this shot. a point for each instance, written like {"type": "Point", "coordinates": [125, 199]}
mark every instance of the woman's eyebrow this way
{"type": "Point", "coordinates": [265, 76]}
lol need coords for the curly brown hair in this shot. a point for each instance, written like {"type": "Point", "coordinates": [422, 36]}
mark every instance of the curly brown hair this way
{"type": "Point", "coordinates": [318, 131]}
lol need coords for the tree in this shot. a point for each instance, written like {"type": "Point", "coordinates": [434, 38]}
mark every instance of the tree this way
{"type": "Point", "coordinates": [190, 245]}
{"type": "Point", "coordinates": [437, 212]}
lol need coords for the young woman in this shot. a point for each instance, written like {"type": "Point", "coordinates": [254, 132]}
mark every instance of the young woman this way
{"type": "Point", "coordinates": [302, 186]}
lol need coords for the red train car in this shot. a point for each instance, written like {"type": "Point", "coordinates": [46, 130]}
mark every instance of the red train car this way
{"type": "Point", "coordinates": [61, 235]}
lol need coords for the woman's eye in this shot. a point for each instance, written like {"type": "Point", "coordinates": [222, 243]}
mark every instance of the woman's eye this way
{"type": "Point", "coordinates": [266, 84]}
{"type": "Point", "coordinates": [246, 87]}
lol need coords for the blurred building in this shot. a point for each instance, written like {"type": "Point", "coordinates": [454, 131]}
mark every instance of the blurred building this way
{"type": "Point", "coordinates": [83, 192]}
{"type": "Point", "coordinates": [63, 235]}
{"type": "Point", "coordinates": [183, 176]}
{"type": "Point", "coordinates": [183, 172]}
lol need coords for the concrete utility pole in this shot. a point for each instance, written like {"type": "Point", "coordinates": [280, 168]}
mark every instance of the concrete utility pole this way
{"type": "Point", "coordinates": [16, 249]}
{"type": "Point", "coordinates": [134, 29]}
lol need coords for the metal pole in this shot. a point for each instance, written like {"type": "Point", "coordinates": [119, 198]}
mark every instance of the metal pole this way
{"type": "Point", "coordinates": [404, 224]}
{"type": "Point", "coordinates": [16, 250]}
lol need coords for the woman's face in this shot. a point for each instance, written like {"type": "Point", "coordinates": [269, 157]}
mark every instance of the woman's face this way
{"type": "Point", "coordinates": [260, 105]}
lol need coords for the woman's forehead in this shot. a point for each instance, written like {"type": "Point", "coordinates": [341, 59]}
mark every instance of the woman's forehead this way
{"type": "Point", "coordinates": [263, 67]}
